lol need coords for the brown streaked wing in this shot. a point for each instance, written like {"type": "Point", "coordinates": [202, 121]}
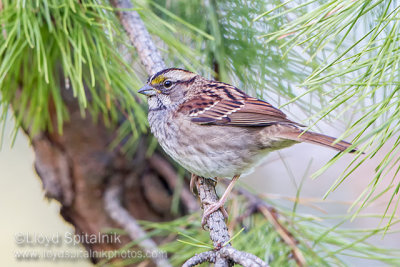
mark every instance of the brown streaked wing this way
{"type": "Point", "coordinates": [241, 111]}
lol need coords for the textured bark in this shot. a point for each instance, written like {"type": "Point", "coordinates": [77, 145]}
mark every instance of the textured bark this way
{"type": "Point", "coordinates": [139, 36]}
{"type": "Point", "coordinates": [223, 255]}
{"type": "Point", "coordinates": [215, 222]}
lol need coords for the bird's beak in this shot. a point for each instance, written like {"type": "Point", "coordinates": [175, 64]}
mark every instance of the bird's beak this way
{"type": "Point", "coordinates": [147, 90]}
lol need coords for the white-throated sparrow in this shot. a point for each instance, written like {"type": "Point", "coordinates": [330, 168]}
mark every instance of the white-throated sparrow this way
{"type": "Point", "coordinates": [213, 129]}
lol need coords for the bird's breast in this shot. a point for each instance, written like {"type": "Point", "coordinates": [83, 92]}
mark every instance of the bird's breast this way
{"type": "Point", "coordinates": [207, 150]}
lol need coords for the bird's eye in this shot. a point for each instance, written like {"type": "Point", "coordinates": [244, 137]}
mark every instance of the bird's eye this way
{"type": "Point", "coordinates": [167, 84]}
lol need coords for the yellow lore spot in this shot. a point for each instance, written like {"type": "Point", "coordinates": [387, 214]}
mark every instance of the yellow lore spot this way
{"type": "Point", "coordinates": [159, 79]}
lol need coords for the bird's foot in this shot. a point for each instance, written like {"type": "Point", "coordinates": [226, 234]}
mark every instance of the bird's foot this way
{"type": "Point", "coordinates": [219, 205]}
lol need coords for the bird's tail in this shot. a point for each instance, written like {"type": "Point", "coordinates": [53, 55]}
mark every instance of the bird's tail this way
{"type": "Point", "coordinates": [319, 139]}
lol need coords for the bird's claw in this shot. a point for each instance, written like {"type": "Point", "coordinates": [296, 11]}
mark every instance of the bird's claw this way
{"type": "Point", "coordinates": [219, 205]}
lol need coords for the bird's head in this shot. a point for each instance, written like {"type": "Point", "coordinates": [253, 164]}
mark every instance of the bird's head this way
{"type": "Point", "coordinates": [168, 88]}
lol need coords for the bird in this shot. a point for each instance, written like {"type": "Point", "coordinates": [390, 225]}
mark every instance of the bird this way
{"type": "Point", "coordinates": [215, 130]}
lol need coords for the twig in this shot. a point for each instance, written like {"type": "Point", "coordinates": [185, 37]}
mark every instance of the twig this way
{"type": "Point", "coordinates": [208, 256]}
{"type": "Point", "coordinates": [242, 258]}
{"type": "Point", "coordinates": [113, 207]}
{"type": "Point", "coordinates": [139, 36]}
{"type": "Point", "coordinates": [165, 169]}
{"type": "Point", "coordinates": [225, 254]}
{"type": "Point", "coordinates": [285, 234]}
{"type": "Point", "coordinates": [216, 221]}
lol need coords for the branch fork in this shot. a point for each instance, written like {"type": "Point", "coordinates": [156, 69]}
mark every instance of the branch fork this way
{"type": "Point", "coordinates": [221, 255]}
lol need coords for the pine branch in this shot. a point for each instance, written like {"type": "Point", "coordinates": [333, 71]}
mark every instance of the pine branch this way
{"type": "Point", "coordinates": [208, 256]}
{"type": "Point", "coordinates": [139, 36]}
{"type": "Point", "coordinates": [225, 254]}
{"type": "Point", "coordinates": [216, 221]}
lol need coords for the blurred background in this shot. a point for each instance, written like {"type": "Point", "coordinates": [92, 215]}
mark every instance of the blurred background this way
{"type": "Point", "coordinates": [26, 210]}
